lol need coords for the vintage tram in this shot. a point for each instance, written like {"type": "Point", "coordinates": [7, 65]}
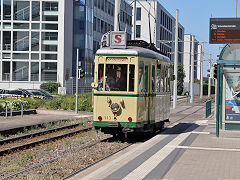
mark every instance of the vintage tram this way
{"type": "Point", "coordinates": [131, 89]}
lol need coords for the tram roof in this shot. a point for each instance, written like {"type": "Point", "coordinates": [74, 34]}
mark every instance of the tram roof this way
{"type": "Point", "coordinates": [131, 51]}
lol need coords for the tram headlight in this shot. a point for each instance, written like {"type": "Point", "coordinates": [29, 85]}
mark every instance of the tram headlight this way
{"type": "Point", "coordinates": [115, 107]}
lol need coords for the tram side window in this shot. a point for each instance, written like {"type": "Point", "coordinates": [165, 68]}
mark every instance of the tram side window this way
{"type": "Point", "coordinates": [140, 82]}
{"type": "Point", "coordinates": [168, 79]}
{"type": "Point", "coordinates": [100, 77]}
{"type": "Point", "coordinates": [131, 77]}
{"type": "Point", "coordinates": [146, 78]}
{"type": "Point", "coordinates": [116, 77]}
{"type": "Point", "coordinates": [158, 80]}
{"type": "Point", "coordinates": [163, 83]}
{"type": "Point", "coordinates": [153, 78]}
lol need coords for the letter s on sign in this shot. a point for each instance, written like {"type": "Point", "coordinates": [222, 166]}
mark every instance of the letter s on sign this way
{"type": "Point", "coordinates": [118, 38]}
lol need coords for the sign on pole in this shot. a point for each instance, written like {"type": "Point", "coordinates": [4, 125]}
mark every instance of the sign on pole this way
{"type": "Point", "coordinates": [224, 30]}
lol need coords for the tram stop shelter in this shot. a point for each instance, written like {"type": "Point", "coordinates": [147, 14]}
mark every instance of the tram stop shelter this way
{"type": "Point", "coordinates": [228, 89]}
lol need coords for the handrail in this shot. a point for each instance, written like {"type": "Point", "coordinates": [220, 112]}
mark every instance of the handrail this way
{"type": "Point", "coordinates": [5, 107]}
{"type": "Point", "coordinates": [17, 101]}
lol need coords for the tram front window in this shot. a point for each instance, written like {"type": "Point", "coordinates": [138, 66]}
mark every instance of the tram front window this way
{"type": "Point", "coordinates": [100, 77]}
{"type": "Point", "coordinates": [116, 77]}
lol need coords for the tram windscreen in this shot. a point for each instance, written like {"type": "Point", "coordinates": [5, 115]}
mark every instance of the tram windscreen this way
{"type": "Point", "coordinates": [116, 77]}
{"type": "Point", "coordinates": [100, 77]}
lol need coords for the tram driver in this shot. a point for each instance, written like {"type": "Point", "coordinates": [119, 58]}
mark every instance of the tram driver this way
{"type": "Point", "coordinates": [111, 79]}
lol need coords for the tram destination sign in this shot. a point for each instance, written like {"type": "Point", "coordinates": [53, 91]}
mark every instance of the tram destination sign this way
{"type": "Point", "coordinates": [224, 30]}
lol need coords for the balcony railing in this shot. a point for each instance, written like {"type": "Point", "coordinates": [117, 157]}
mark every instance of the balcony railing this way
{"type": "Point", "coordinates": [22, 14]}
{"type": "Point", "coordinates": [21, 44]}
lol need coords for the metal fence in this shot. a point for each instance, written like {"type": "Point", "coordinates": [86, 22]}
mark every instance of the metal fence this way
{"type": "Point", "coordinates": [208, 108]}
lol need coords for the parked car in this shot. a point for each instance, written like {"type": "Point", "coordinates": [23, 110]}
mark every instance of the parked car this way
{"type": "Point", "coordinates": [39, 92]}
{"type": "Point", "coordinates": [15, 93]}
{"type": "Point", "coordinates": [48, 94]}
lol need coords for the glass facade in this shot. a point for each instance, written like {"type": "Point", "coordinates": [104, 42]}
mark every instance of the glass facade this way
{"type": "Point", "coordinates": [83, 35]}
{"type": "Point", "coordinates": [28, 40]}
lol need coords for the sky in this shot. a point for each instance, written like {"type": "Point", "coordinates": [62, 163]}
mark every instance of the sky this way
{"type": "Point", "coordinates": [194, 16]}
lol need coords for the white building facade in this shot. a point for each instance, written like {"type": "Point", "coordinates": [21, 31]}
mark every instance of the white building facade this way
{"type": "Point", "coordinates": [162, 27]}
{"type": "Point", "coordinates": [36, 42]}
{"type": "Point", "coordinates": [187, 58]}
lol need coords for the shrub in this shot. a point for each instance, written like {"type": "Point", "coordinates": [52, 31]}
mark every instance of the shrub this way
{"type": "Point", "coordinates": [34, 103]}
{"type": "Point", "coordinates": [51, 87]}
{"type": "Point", "coordinates": [68, 103]}
{"type": "Point", "coordinates": [53, 103]}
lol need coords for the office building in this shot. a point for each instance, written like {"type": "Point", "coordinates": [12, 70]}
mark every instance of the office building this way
{"type": "Point", "coordinates": [103, 20]}
{"type": "Point", "coordinates": [36, 42]}
{"type": "Point", "coordinates": [161, 26]}
{"type": "Point", "coordinates": [187, 58]}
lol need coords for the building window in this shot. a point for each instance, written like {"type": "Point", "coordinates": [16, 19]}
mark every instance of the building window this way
{"type": "Point", "coordinates": [109, 8]}
{"type": "Point", "coordinates": [35, 56]}
{"type": "Point", "coordinates": [50, 26]}
{"type": "Point", "coordinates": [35, 41]}
{"type": "Point", "coordinates": [21, 10]}
{"type": "Point", "coordinates": [49, 71]}
{"type": "Point", "coordinates": [6, 9]}
{"type": "Point", "coordinates": [102, 5]}
{"type": "Point", "coordinates": [49, 36]}
{"type": "Point", "coordinates": [49, 57]}
{"type": "Point", "coordinates": [138, 17]}
{"type": "Point", "coordinates": [6, 56]}
{"type": "Point", "coordinates": [20, 41]}
{"type": "Point", "coordinates": [34, 71]}
{"type": "Point", "coordinates": [138, 31]}
{"type": "Point", "coordinates": [6, 25]}
{"type": "Point", "coordinates": [35, 25]}
{"type": "Point", "coordinates": [50, 6]}
{"type": "Point", "coordinates": [49, 47]}
{"type": "Point", "coordinates": [102, 26]}
{"type": "Point", "coordinates": [6, 71]}
{"type": "Point", "coordinates": [20, 26]}
{"type": "Point", "coordinates": [20, 71]}
{"type": "Point", "coordinates": [35, 11]}
{"type": "Point", "coordinates": [50, 10]}
{"type": "Point", "coordinates": [6, 40]}
{"type": "Point", "coordinates": [20, 56]}
{"type": "Point", "coordinates": [94, 23]}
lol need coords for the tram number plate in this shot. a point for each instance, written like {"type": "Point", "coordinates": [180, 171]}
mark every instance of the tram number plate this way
{"type": "Point", "coordinates": [108, 117]}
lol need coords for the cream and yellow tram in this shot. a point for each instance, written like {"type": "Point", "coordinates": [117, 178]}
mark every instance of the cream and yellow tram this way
{"type": "Point", "coordinates": [131, 90]}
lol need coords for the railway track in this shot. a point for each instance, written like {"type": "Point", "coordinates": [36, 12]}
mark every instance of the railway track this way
{"type": "Point", "coordinates": [10, 145]}
{"type": "Point", "coordinates": [64, 155]}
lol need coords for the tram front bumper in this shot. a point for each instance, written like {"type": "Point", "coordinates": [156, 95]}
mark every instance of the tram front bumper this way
{"type": "Point", "coordinates": [117, 124]}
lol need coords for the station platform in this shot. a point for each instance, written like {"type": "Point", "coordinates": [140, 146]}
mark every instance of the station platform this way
{"type": "Point", "coordinates": [42, 116]}
{"type": "Point", "coordinates": [187, 150]}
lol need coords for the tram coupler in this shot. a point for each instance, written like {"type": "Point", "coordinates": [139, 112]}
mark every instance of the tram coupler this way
{"type": "Point", "coordinates": [127, 130]}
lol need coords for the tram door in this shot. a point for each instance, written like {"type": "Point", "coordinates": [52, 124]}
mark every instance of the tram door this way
{"type": "Point", "coordinates": [147, 91]}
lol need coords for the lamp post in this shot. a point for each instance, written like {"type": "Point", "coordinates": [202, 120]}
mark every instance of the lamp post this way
{"type": "Point", "coordinates": [175, 63]}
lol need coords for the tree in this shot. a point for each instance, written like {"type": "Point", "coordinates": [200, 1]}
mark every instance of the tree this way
{"type": "Point", "coordinates": [181, 76]}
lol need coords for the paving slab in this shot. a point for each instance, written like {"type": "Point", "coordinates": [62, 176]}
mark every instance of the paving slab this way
{"type": "Point", "coordinates": [205, 165]}
{"type": "Point", "coordinates": [43, 116]}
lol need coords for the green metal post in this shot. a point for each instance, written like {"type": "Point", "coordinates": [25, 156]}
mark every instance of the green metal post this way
{"type": "Point", "coordinates": [221, 97]}
{"type": "Point", "coordinates": [218, 99]}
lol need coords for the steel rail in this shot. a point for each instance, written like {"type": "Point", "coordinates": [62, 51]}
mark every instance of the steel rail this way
{"type": "Point", "coordinates": [34, 143]}
{"type": "Point", "coordinates": [37, 133]}
{"type": "Point", "coordinates": [56, 158]}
